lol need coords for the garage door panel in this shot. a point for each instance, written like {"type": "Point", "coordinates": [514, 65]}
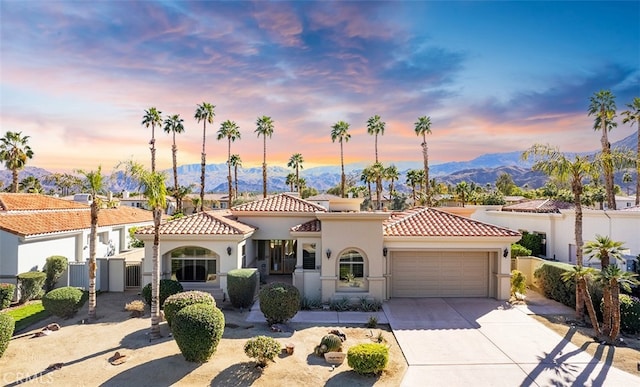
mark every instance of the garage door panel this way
{"type": "Point", "coordinates": [440, 274]}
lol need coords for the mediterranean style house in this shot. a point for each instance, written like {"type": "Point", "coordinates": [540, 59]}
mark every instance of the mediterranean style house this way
{"type": "Point", "coordinates": [34, 227]}
{"type": "Point", "coordinates": [333, 250]}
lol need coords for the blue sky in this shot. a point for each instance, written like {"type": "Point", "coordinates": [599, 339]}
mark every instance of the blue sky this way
{"type": "Point", "coordinates": [493, 76]}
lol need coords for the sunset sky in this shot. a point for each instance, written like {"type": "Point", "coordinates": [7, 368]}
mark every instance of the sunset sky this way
{"type": "Point", "coordinates": [493, 76]}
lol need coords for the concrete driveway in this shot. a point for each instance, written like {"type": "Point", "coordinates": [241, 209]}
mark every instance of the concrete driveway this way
{"type": "Point", "coordinates": [484, 342]}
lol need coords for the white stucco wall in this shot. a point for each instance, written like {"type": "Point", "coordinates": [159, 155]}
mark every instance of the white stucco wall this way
{"type": "Point", "coordinates": [32, 255]}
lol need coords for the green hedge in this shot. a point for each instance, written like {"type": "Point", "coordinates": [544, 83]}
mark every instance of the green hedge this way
{"type": "Point", "coordinates": [167, 288]}
{"type": "Point", "coordinates": [519, 251]}
{"type": "Point", "coordinates": [549, 280]}
{"type": "Point", "coordinates": [241, 286]}
{"type": "Point", "coordinates": [371, 358]}
{"type": "Point", "coordinates": [64, 302]}
{"type": "Point", "coordinates": [629, 313]}
{"type": "Point", "coordinates": [197, 329]}
{"type": "Point", "coordinates": [6, 295]}
{"type": "Point", "coordinates": [54, 267]}
{"type": "Point", "coordinates": [279, 302]}
{"type": "Point", "coordinates": [7, 325]}
{"type": "Point", "coordinates": [174, 303]}
{"type": "Point", "coordinates": [31, 285]}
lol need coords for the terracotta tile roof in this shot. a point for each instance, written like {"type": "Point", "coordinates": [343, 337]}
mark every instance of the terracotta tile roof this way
{"type": "Point", "coordinates": [424, 221]}
{"type": "Point", "coordinates": [49, 222]}
{"type": "Point", "coordinates": [202, 223]}
{"type": "Point", "coordinates": [280, 203]}
{"type": "Point", "coordinates": [540, 206]}
{"type": "Point", "coordinates": [35, 202]}
{"type": "Point", "coordinates": [310, 226]}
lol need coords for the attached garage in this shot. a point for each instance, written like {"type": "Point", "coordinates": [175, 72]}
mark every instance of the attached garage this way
{"type": "Point", "coordinates": [440, 274]}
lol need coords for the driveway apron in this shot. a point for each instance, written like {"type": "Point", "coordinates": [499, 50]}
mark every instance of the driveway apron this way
{"type": "Point", "coordinates": [485, 342]}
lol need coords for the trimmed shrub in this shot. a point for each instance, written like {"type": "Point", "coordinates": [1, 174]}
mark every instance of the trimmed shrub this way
{"type": "Point", "coordinates": [174, 303]}
{"type": "Point", "coordinates": [197, 329]}
{"type": "Point", "coordinates": [30, 285]}
{"type": "Point", "coordinates": [6, 295]}
{"type": "Point", "coordinates": [518, 282]}
{"type": "Point", "coordinates": [54, 267]}
{"type": "Point", "coordinates": [519, 251]}
{"type": "Point", "coordinates": [369, 358]}
{"type": "Point", "coordinates": [532, 242]}
{"type": "Point", "coordinates": [167, 288]}
{"type": "Point", "coordinates": [7, 325]}
{"type": "Point", "coordinates": [263, 349]}
{"type": "Point", "coordinates": [549, 280]}
{"type": "Point", "coordinates": [64, 302]}
{"type": "Point", "coordinates": [242, 285]}
{"type": "Point", "coordinates": [279, 302]}
{"type": "Point", "coordinates": [629, 313]}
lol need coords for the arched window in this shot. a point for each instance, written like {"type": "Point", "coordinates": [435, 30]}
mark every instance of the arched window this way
{"type": "Point", "coordinates": [194, 264]}
{"type": "Point", "coordinates": [352, 269]}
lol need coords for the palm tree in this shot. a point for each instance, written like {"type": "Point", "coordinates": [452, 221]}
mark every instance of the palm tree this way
{"type": "Point", "coordinates": [581, 276]}
{"type": "Point", "coordinates": [615, 278]}
{"type": "Point", "coordinates": [463, 190]}
{"type": "Point", "coordinates": [205, 113]}
{"type": "Point", "coordinates": [94, 186]}
{"type": "Point", "coordinates": [367, 177]}
{"type": "Point", "coordinates": [174, 124]}
{"type": "Point", "coordinates": [291, 180]}
{"type": "Point", "coordinates": [376, 126]}
{"type": "Point", "coordinates": [14, 152]}
{"type": "Point", "coordinates": [377, 170]}
{"type": "Point", "coordinates": [236, 162]}
{"type": "Point", "coordinates": [603, 107]}
{"type": "Point", "coordinates": [152, 185]}
{"type": "Point", "coordinates": [413, 179]}
{"type": "Point", "coordinates": [231, 132]}
{"type": "Point", "coordinates": [391, 173]}
{"type": "Point", "coordinates": [295, 162]}
{"type": "Point", "coordinates": [179, 194]}
{"type": "Point", "coordinates": [152, 117]}
{"type": "Point", "coordinates": [30, 184]}
{"type": "Point", "coordinates": [265, 128]}
{"type": "Point", "coordinates": [422, 128]}
{"type": "Point", "coordinates": [552, 162]}
{"type": "Point", "coordinates": [340, 133]}
{"type": "Point", "coordinates": [632, 116]}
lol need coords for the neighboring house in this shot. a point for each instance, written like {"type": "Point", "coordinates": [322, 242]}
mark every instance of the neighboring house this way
{"type": "Point", "coordinates": [338, 251]}
{"type": "Point", "coordinates": [625, 202]}
{"type": "Point", "coordinates": [34, 227]}
{"type": "Point", "coordinates": [554, 221]}
{"type": "Point", "coordinates": [212, 201]}
{"type": "Point", "coordinates": [140, 201]}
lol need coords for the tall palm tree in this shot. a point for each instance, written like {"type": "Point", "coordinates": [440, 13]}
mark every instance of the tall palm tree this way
{"type": "Point", "coordinates": [152, 185]}
{"type": "Point", "coordinates": [236, 162]}
{"type": "Point", "coordinates": [463, 190]}
{"type": "Point", "coordinates": [152, 117]}
{"type": "Point", "coordinates": [391, 173]}
{"type": "Point", "coordinates": [14, 152]}
{"type": "Point", "coordinates": [295, 162]}
{"type": "Point", "coordinates": [174, 125]}
{"type": "Point", "coordinates": [368, 176]}
{"type": "Point", "coordinates": [375, 127]}
{"type": "Point", "coordinates": [93, 183]}
{"type": "Point", "coordinates": [554, 163]}
{"type": "Point", "coordinates": [265, 128]}
{"type": "Point", "coordinates": [205, 113]}
{"type": "Point", "coordinates": [603, 107]}
{"type": "Point", "coordinates": [422, 128]}
{"type": "Point", "coordinates": [413, 177]}
{"type": "Point", "coordinates": [340, 133]}
{"type": "Point", "coordinates": [377, 169]}
{"type": "Point", "coordinates": [581, 275]}
{"type": "Point", "coordinates": [231, 132]}
{"type": "Point", "coordinates": [291, 180]}
{"type": "Point", "coordinates": [632, 116]}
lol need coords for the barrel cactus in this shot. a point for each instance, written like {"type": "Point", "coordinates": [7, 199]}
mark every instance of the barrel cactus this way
{"type": "Point", "coordinates": [329, 343]}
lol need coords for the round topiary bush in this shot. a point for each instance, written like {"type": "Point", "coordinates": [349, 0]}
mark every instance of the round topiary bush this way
{"type": "Point", "coordinates": [629, 313]}
{"type": "Point", "coordinates": [370, 358]}
{"type": "Point", "coordinates": [263, 349]}
{"type": "Point", "coordinates": [167, 288]}
{"type": "Point", "coordinates": [279, 302]}
{"type": "Point", "coordinates": [241, 286]}
{"type": "Point", "coordinates": [31, 285]}
{"type": "Point", "coordinates": [174, 303]}
{"type": "Point", "coordinates": [54, 267]}
{"type": "Point", "coordinates": [6, 295]}
{"type": "Point", "coordinates": [64, 302]}
{"type": "Point", "coordinates": [7, 325]}
{"type": "Point", "coordinates": [197, 329]}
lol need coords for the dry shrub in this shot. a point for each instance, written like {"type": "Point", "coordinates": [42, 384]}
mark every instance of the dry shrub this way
{"type": "Point", "coordinates": [136, 308]}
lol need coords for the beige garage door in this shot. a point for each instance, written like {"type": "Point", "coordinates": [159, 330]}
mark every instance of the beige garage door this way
{"type": "Point", "coordinates": [440, 274]}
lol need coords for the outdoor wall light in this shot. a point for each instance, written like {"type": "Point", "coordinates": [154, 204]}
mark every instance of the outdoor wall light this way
{"type": "Point", "coordinates": [505, 252]}
{"type": "Point", "coordinates": [328, 253]}
{"type": "Point", "coordinates": [384, 251]}
{"type": "Point", "coordinates": [228, 250]}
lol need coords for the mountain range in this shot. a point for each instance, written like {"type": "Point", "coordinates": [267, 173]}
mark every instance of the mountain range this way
{"type": "Point", "coordinates": [481, 170]}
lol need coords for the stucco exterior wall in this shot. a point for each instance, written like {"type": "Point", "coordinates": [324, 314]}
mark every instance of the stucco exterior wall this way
{"type": "Point", "coordinates": [8, 254]}
{"type": "Point", "coordinates": [32, 255]}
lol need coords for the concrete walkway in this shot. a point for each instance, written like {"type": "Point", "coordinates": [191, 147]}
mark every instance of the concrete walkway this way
{"type": "Point", "coordinates": [480, 342]}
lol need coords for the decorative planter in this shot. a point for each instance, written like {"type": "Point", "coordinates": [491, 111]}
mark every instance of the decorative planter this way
{"type": "Point", "coordinates": [335, 357]}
